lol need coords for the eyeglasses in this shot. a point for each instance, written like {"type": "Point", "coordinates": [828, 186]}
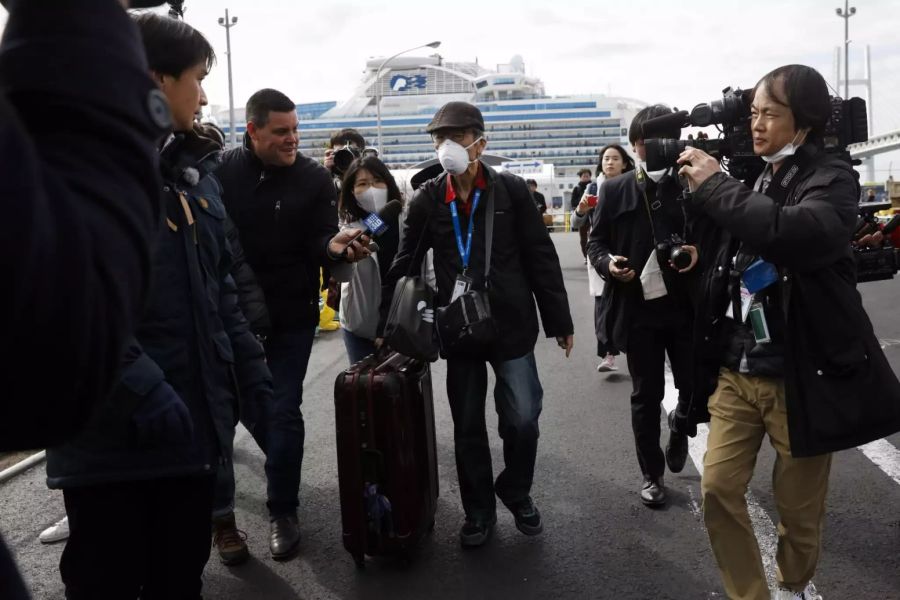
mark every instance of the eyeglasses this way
{"type": "Point", "coordinates": [457, 136]}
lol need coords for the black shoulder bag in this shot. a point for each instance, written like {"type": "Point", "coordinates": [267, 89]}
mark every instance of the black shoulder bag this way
{"type": "Point", "coordinates": [410, 324]}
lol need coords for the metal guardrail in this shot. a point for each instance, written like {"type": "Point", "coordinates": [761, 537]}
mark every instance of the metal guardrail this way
{"type": "Point", "coordinates": [22, 465]}
{"type": "Point", "coordinates": [876, 145]}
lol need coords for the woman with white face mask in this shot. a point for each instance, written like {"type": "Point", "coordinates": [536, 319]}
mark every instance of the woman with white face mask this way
{"type": "Point", "coordinates": [367, 187]}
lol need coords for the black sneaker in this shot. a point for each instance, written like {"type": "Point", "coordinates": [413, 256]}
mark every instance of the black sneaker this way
{"type": "Point", "coordinates": [475, 533]}
{"type": "Point", "coordinates": [676, 449]}
{"type": "Point", "coordinates": [528, 517]}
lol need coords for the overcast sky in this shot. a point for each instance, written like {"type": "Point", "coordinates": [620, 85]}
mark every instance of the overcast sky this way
{"type": "Point", "coordinates": [679, 53]}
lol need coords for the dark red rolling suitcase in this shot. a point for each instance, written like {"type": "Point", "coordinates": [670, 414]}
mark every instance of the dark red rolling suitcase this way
{"type": "Point", "coordinates": [387, 460]}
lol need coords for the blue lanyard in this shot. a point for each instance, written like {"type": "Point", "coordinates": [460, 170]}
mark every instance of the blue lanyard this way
{"type": "Point", "coordinates": [465, 252]}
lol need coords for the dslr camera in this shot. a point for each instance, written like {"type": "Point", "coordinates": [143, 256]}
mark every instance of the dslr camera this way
{"type": "Point", "coordinates": [344, 157]}
{"type": "Point", "coordinates": [734, 148]}
{"type": "Point", "coordinates": [672, 249]}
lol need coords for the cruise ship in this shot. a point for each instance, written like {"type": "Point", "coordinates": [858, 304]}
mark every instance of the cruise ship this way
{"type": "Point", "coordinates": [547, 138]}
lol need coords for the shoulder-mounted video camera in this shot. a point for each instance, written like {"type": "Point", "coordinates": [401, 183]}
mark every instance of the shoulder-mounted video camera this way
{"type": "Point", "coordinates": [734, 148]}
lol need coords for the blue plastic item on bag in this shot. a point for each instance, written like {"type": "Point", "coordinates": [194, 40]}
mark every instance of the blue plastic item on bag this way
{"type": "Point", "coordinates": [759, 275]}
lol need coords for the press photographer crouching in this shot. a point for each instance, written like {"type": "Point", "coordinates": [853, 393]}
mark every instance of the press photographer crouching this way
{"type": "Point", "coordinates": [783, 344]}
{"type": "Point", "coordinates": [635, 242]}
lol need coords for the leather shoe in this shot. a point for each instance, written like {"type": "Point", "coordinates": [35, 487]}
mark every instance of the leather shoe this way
{"type": "Point", "coordinates": [676, 449]}
{"type": "Point", "coordinates": [653, 492]}
{"type": "Point", "coordinates": [284, 536]}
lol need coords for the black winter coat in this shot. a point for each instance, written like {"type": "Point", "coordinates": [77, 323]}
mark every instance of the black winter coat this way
{"type": "Point", "coordinates": [524, 263]}
{"type": "Point", "coordinates": [839, 388]}
{"type": "Point", "coordinates": [251, 297]}
{"type": "Point", "coordinates": [80, 204]}
{"type": "Point", "coordinates": [192, 336]}
{"type": "Point", "coordinates": [577, 193]}
{"type": "Point", "coordinates": [620, 227]}
{"type": "Point", "coordinates": [79, 214]}
{"type": "Point", "coordinates": [286, 216]}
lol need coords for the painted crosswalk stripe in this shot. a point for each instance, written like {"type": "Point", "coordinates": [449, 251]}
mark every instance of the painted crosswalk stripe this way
{"type": "Point", "coordinates": [885, 455]}
{"type": "Point", "coordinates": [766, 534]}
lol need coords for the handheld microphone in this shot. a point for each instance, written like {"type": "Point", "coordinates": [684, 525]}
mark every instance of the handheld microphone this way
{"type": "Point", "coordinates": [377, 224]}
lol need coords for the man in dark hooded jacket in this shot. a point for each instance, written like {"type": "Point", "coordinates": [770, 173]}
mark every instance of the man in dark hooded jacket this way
{"type": "Point", "coordinates": [783, 344]}
{"type": "Point", "coordinates": [80, 208]}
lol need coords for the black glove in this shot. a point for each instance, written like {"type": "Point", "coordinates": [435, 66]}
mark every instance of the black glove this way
{"type": "Point", "coordinates": [163, 419]}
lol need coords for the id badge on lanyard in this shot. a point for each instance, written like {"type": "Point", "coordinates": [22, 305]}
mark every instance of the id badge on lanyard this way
{"type": "Point", "coordinates": [463, 281]}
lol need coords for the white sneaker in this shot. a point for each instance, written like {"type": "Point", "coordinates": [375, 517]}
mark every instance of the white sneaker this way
{"type": "Point", "coordinates": [810, 593]}
{"type": "Point", "coordinates": [57, 532]}
{"type": "Point", "coordinates": [607, 364]}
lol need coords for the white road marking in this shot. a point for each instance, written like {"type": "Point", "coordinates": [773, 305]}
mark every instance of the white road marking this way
{"type": "Point", "coordinates": [882, 453]}
{"type": "Point", "coordinates": [766, 534]}
{"type": "Point", "coordinates": [886, 343]}
{"type": "Point", "coordinates": [885, 455]}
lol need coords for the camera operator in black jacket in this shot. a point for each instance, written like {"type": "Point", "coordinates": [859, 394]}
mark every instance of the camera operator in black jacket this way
{"type": "Point", "coordinates": [645, 312]}
{"type": "Point", "coordinates": [81, 211]}
{"type": "Point", "coordinates": [801, 362]}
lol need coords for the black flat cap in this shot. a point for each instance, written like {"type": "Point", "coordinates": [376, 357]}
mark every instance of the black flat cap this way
{"type": "Point", "coordinates": [457, 115]}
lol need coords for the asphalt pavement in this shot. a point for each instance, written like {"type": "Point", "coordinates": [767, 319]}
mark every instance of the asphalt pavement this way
{"type": "Point", "coordinates": [599, 540]}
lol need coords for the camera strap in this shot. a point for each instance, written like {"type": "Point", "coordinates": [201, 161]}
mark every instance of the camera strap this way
{"type": "Point", "coordinates": [779, 189]}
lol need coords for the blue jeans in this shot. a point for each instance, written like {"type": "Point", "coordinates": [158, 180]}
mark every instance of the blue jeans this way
{"type": "Point", "coordinates": [518, 398]}
{"type": "Point", "coordinates": [257, 418]}
{"type": "Point", "coordinates": [357, 347]}
{"type": "Point", "coordinates": [287, 354]}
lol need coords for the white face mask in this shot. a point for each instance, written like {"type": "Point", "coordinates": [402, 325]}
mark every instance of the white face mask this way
{"type": "Point", "coordinates": [654, 175]}
{"type": "Point", "coordinates": [373, 199]}
{"type": "Point", "coordinates": [789, 150]}
{"type": "Point", "coordinates": [453, 157]}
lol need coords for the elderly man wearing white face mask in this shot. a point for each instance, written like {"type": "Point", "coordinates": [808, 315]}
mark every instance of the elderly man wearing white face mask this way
{"type": "Point", "coordinates": [449, 214]}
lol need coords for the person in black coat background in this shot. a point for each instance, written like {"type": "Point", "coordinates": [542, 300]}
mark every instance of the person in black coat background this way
{"type": "Point", "coordinates": [645, 310]}
{"type": "Point", "coordinates": [803, 365]}
{"type": "Point", "coordinates": [584, 180]}
{"type": "Point", "coordinates": [81, 210]}
{"type": "Point", "coordinates": [524, 268]}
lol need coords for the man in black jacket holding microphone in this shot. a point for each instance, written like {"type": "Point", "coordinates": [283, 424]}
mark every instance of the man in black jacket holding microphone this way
{"type": "Point", "coordinates": [285, 208]}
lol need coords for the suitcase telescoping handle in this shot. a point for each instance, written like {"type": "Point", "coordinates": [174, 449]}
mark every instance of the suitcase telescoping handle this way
{"type": "Point", "coordinates": [388, 359]}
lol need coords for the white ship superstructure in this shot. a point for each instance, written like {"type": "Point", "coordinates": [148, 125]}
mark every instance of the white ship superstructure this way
{"type": "Point", "coordinates": [523, 123]}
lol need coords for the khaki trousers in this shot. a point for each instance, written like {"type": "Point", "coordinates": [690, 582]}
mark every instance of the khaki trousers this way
{"type": "Point", "coordinates": [744, 409]}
